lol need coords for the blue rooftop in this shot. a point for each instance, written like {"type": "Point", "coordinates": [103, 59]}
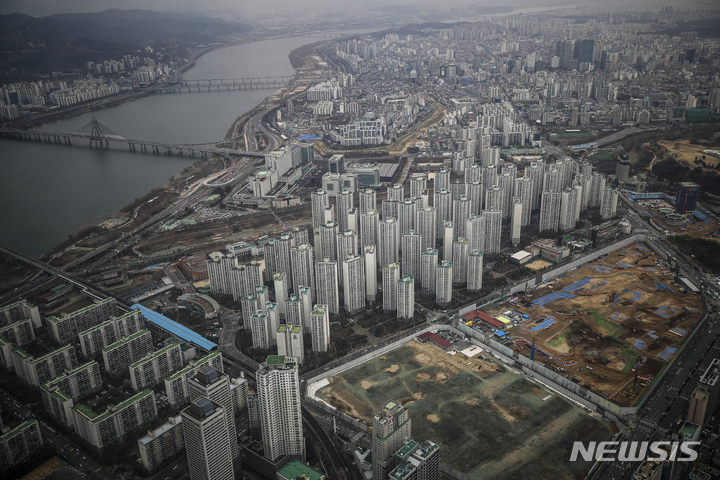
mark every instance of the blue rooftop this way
{"type": "Point", "coordinates": [175, 328]}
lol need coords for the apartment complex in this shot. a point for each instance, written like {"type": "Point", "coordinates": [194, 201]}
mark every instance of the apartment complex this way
{"type": "Point", "coordinates": [150, 370]}
{"type": "Point", "coordinates": [120, 355]}
{"type": "Point", "coordinates": [97, 337]}
{"type": "Point", "coordinates": [20, 444]}
{"type": "Point", "coordinates": [161, 443]}
{"type": "Point", "coordinates": [176, 385]}
{"type": "Point", "coordinates": [38, 370]}
{"type": "Point", "coordinates": [60, 394]}
{"type": "Point", "coordinates": [65, 328]}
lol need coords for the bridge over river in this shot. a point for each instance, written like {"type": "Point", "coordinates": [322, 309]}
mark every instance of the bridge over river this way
{"type": "Point", "coordinates": [98, 136]}
{"type": "Point", "coordinates": [223, 84]}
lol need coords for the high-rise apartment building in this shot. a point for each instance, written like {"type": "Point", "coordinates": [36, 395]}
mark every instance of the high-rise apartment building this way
{"type": "Point", "coordinates": [428, 271]}
{"type": "Point", "coordinates": [303, 267]}
{"type": "Point", "coordinates": [475, 271]}
{"type": "Point", "coordinates": [354, 283]}
{"type": "Point", "coordinates": [370, 273]}
{"type": "Point", "coordinates": [207, 441]}
{"type": "Point", "coordinates": [153, 368]}
{"type": "Point", "coordinates": [524, 191]}
{"type": "Point", "coordinates": [608, 205]}
{"type": "Point", "coordinates": [461, 213]}
{"type": "Point", "coordinates": [388, 242]}
{"type": "Point", "coordinates": [493, 230]}
{"type": "Point", "coordinates": [407, 211]}
{"type": "Point", "coordinates": [161, 443]}
{"type": "Point", "coordinates": [417, 462]}
{"type": "Point", "coordinates": [20, 444]}
{"type": "Point", "coordinates": [443, 283]}
{"type": "Point", "coordinates": [319, 200]}
{"type": "Point", "coordinates": [369, 227]}
{"type": "Point", "coordinates": [328, 241]}
{"type": "Point", "coordinates": [391, 430]}
{"type": "Point", "coordinates": [568, 209]}
{"type": "Point", "coordinates": [406, 297]}
{"type": "Point", "coordinates": [549, 211]}
{"type": "Point", "coordinates": [320, 328]}
{"type": "Point", "coordinates": [460, 256]}
{"type": "Point", "coordinates": [345, 201]}
{"type": "Point", "coordinates": [395, 192]}
{"type": "Point", "coordinates": [290, 342]}
{"type": "Point", "coordinates": [368, 200]}
{"type": "Point", "coordinates": [411, 251]}
{"type": "Point", "coordinates": [443, 209]}
{"type": "Point", "coordinates": [176, 385]}
{"type": "Point", "coordinates": [326, 279]}
{"type": "Point", "coordinates": [278, 388]}
{"type": "Point", "coordinates": [516, 220]}
{"type": "Point", "coordinates": [390, 278]}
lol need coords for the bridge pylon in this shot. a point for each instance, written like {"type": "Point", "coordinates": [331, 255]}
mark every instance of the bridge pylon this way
{"type": "Point", "coordinates": [97, 135]}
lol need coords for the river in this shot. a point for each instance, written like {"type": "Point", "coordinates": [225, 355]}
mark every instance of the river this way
{"type": "Point", "coordinates": [47, 191]}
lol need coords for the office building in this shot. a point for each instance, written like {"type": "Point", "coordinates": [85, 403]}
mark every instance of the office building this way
{"type": "Point", "coordinates": [704, 399]}
{"type": "Point", "coordinates": [368, 200]}
{"type": "Point", "coordinates": [475, 271]}
{"type": "Point", "coordinates": [161, 443]}
{"type": "Point", "coordinates": [391, 431]}
{"type": "Point", "coordinates": [686, 197]}
{"type": "Point", "coordinates": [153, 368]}
{"type": "Point", "coordinates": [105, 429]}
{"type": "Point", "coordinates": [370, 273]}
{"type": "Point", "coordinates": [207, 441]}
{"type": "Point", "coordinates": [549, 211]}
{"type": "Point", "coordinates": [493, 230]}
{"type": "Point", "coordinates": [278, 388]}
{"type": "Point", "coordinates": [388, 242]}
{"type": "Point", "coordinates": [215, 386]}
{"type": "Point", "coordinates": [460, 255]}
{"type": "Point", "coordinates": [20, 444]}
{"type": "Point", "coordinates": [443, 283]}
{"type": "Point", "coordinates": [354, 283]}
{"type": "Point", "coordinates": [405, 297]}
{"type": "Point", "coordinates": [326, 279]}
{"type": "Point", "coordinates": [176, 384]}
{"type": "Point", "coordinates": [516, 220]}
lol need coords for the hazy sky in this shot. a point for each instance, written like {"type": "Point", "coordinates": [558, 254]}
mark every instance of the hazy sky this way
{"type": "Point", "coordinates": [38, 8]}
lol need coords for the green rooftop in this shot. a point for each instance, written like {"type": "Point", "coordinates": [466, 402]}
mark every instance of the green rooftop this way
{"type": "Point", "coordinates": [19, 429]}
{"type": "Point", "coordinates": [276, 360]}
{"type": "Point", "coordinates": [405, 451]}
{"type": "Point", "coordinates": [125, 340]}
{"type": "Point", "coordinates": [85, 411]}
{"type": "Point", "coordinates": [154, 354]}
{"type": "Point", "coordinates": [296, 469]}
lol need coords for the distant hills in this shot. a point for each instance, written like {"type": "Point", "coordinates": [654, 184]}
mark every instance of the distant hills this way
{"type": "Point", "coordinates": [67, 41]}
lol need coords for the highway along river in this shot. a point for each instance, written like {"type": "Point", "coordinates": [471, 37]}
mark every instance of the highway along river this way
{"type": "Point", "coordinates": [47, 191]}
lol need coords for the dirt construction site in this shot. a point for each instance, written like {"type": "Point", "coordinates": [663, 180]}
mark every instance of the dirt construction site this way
{"type": "Point", "coordinates": [604, 323]}
{"type": "Point", "coordinates": [491, 422]}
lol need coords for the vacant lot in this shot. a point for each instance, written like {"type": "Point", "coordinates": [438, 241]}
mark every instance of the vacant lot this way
{"type": "Point", "coordinates": [618, 312]}
{"type": "Point", "coordinates": [490, 422]}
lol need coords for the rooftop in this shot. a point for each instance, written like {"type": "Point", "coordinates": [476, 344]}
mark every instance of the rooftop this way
{"type": "Point", "coordinates": [175, 328]}
{"type": "Point", "coordinates": [276, 360]}
{"type": "Point", "coordinates": [162, 429]}
{"type": "Point", "coordinates": [297, 469]}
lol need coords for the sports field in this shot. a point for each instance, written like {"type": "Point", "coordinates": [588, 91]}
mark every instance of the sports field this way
{"type": "Point", "coordinates": [490, 422]}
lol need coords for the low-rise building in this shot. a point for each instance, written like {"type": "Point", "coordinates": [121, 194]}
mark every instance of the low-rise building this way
{"type": "Point", "coordinates": [150, 370]}
{"type": "Point", "coordinates": [102, 430]}
{"type": "Point", "coordinates": [161, 443]}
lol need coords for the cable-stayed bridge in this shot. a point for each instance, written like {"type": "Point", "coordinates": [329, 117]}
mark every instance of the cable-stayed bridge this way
{"type": "Point", "coordinates": [99, 136]}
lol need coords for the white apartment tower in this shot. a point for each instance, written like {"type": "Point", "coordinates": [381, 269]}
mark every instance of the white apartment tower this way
{"type": "Point", "coordinates": [493, 229]}
{"type": "Point", "coordinates": [443, 283]}
{"type": "Point", "coordinates": [405, 297]}
{"type": "Point", "coordinates": [411, 251]}
{"type": "Point", "coordinates": [326, 279]}
{"type": "Point", "coordinates": [320, 328]}
{"type": "Point", "coordinates": [368, 200]}
{"type": "Point", "coordinates": [354, 283]}
{"type": "Point", "coordinates": [278, 389]}
{"type": "Point", "coordinates": [461, 213]}
{"type": "Point", "coordinates": [516, 220]}
{"type": "Point", "coordinates": [475, 271]}
{"type": "Point", "coordinates": [388, 241]}
{"type": "Point", "coordinates": [549, 211]}
{"type": "Point", "coordinates": [319, 200]}
{"type": "Point", "coordinates": [428, 271]}
{"type": "Point", "coordinates": [568, 209]}
{"type": "Point", "coordinates": [426, 224]}
{"type": "Point", "coordinates": [448, 235]}
{"type": "Point", "coordinates": [370, 273]}
{"type": "Point", "coordinates": [460, 255]}
{"type": "Point", "coordinates": [390, 278]}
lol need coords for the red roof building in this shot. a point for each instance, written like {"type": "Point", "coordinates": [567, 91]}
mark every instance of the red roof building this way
{"type": "Point", "coordinates": [490, 320]}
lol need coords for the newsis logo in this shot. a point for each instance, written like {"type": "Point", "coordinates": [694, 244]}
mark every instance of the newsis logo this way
{"type": "Point", "coordinates": [634, 451]}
